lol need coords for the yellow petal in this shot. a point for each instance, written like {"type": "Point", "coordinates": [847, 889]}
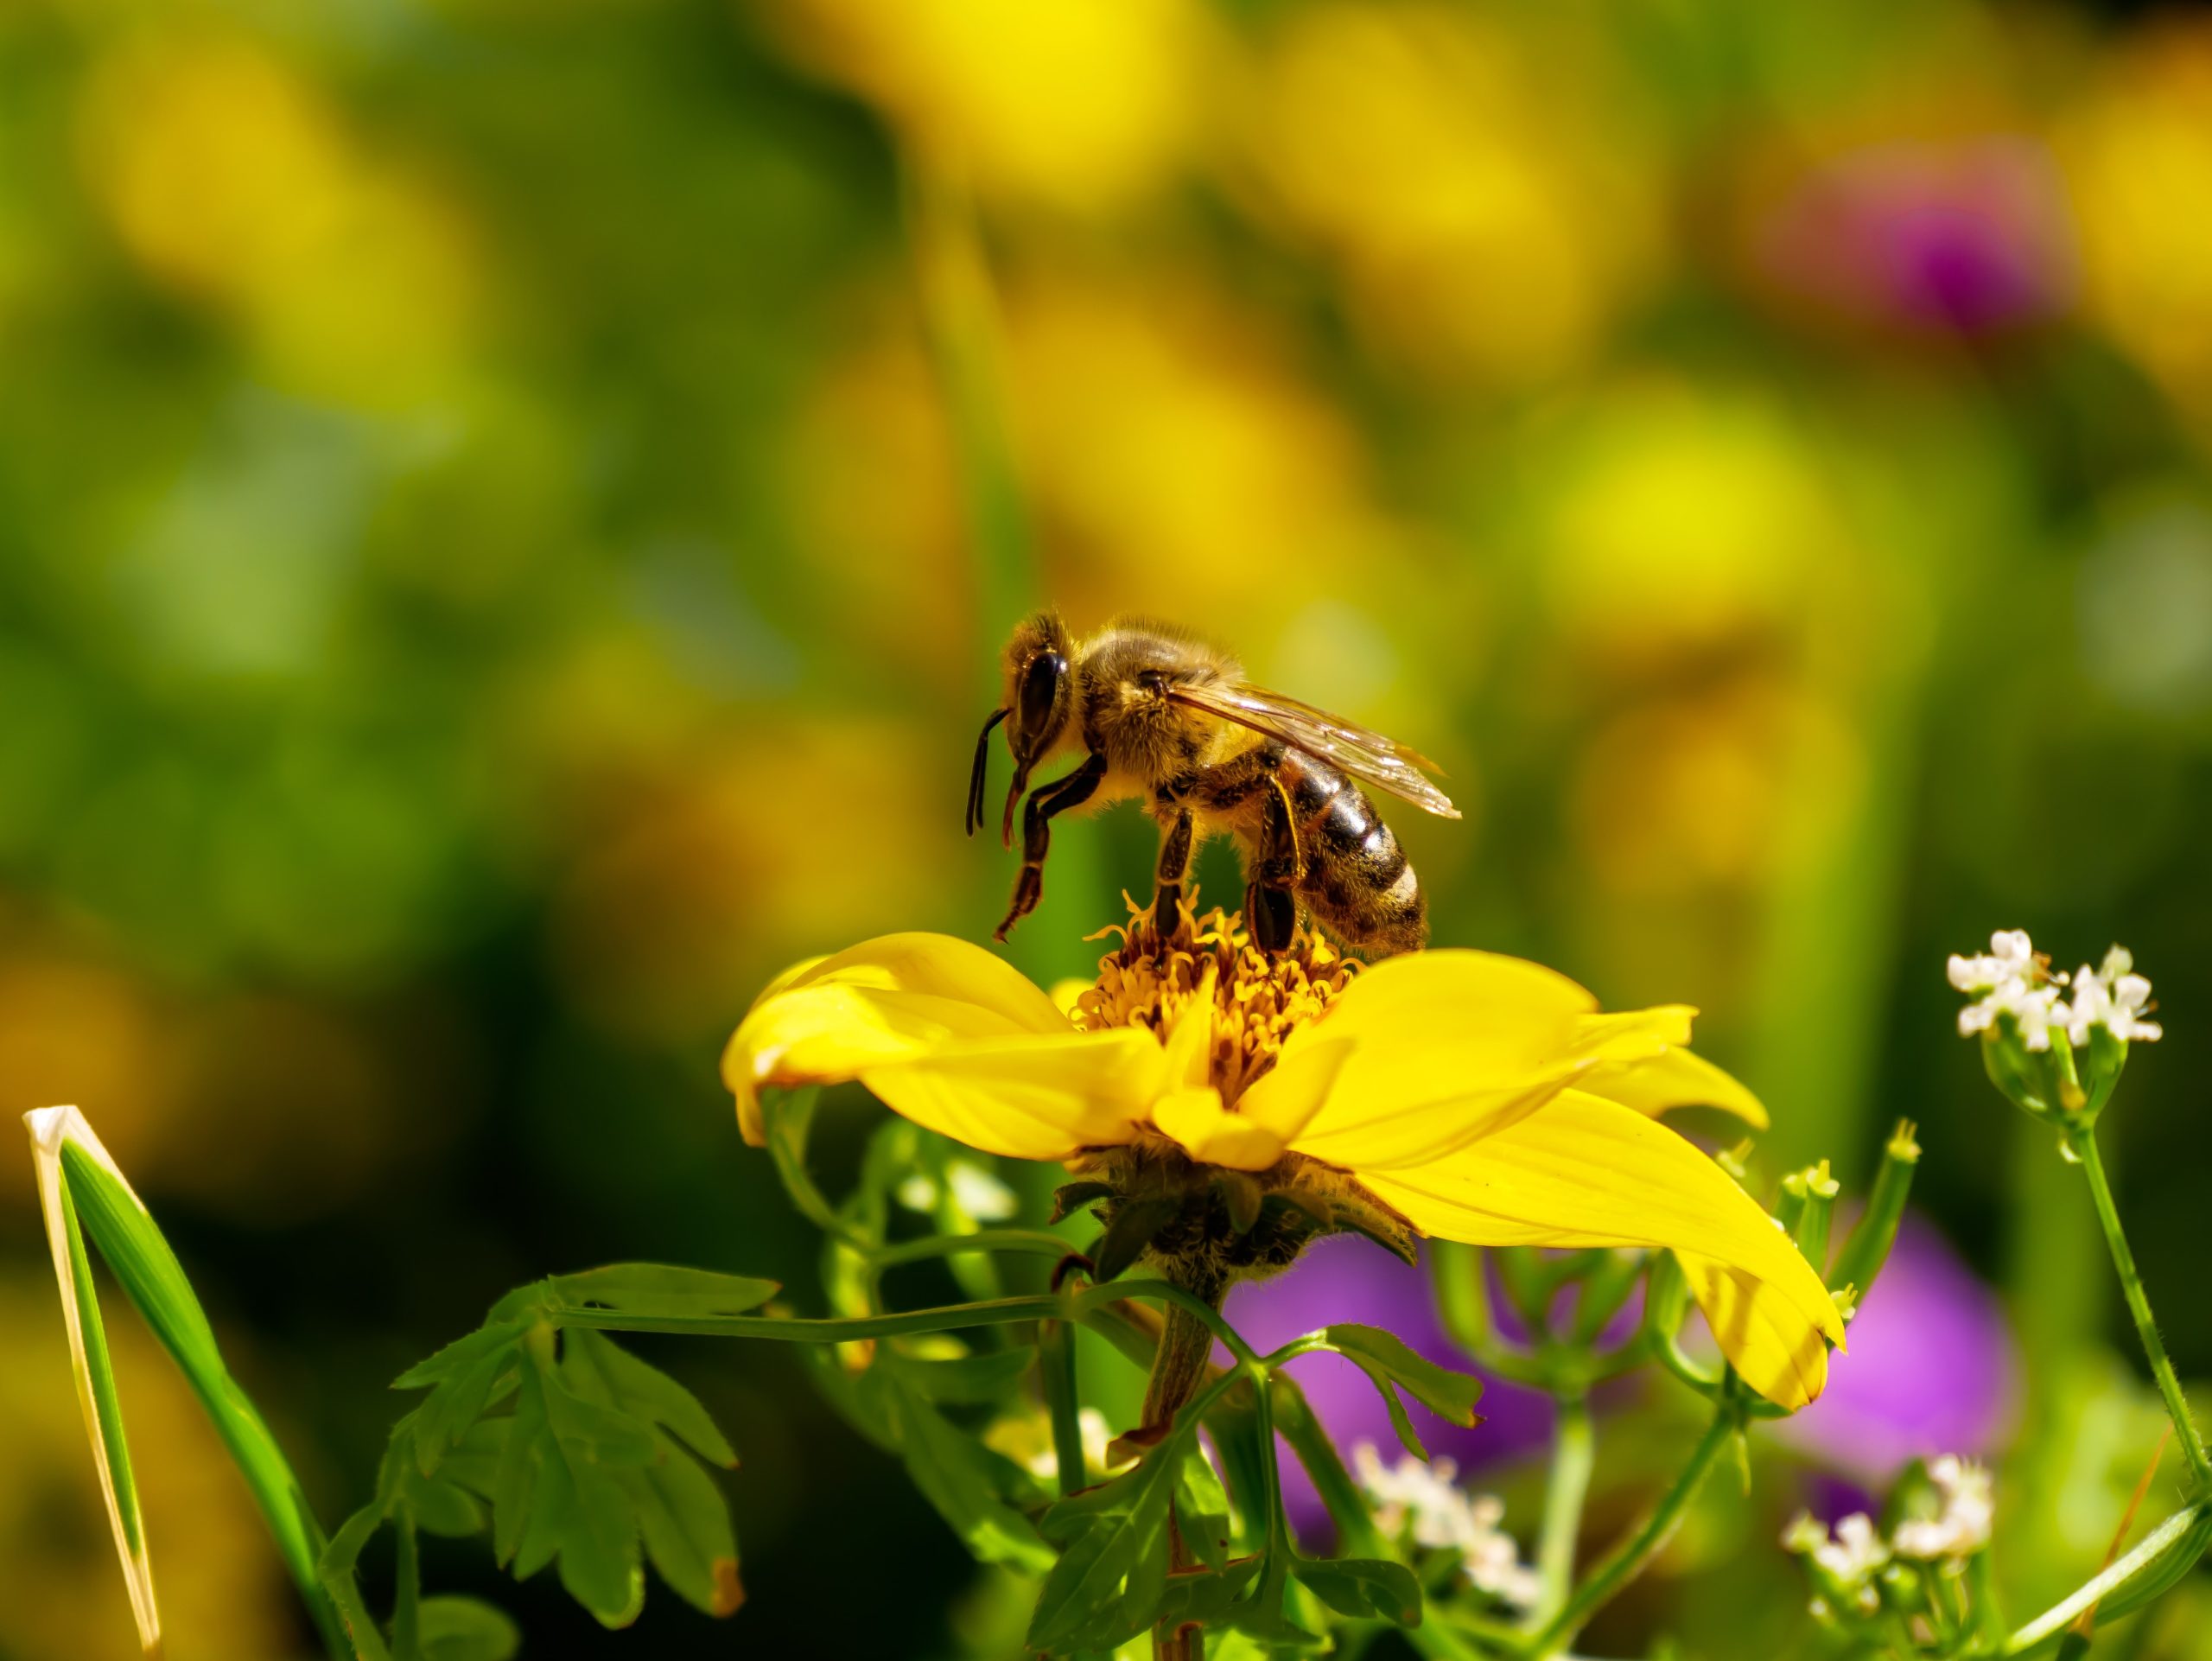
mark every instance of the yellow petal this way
{"type": "Point", "coordinates": [1673, 1078]}
{"type": "Point", "coordinates": [1029, 1097]}
{"type": "Point", "coordinates": [1582, 1171]}
{"type": "Point", "coordinates": [1763, 1336]}
{"type": "Point", "coordinates": [1286, 1097]}
{"type": "Point", "coordinates": [1631, 1032]}
{"type": "Point", "coordinates": [1212, 1135]}
{"type": "Point", "coordinates": [1190, 1042]}
{"type": "Point", "coordinates": [1447, 1046]}
{"type": "Point", "coordinates": [885, 1000]}
{"type": "Point", "coordinates": [1064, 995]}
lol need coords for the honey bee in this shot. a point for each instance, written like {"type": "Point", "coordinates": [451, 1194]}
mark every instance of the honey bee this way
{"type": "Point", "coordinates": [1157, 715]}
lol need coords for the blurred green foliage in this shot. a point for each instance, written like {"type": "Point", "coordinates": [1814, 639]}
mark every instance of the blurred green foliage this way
{"type": "Point", "coordinates": [485, 581]}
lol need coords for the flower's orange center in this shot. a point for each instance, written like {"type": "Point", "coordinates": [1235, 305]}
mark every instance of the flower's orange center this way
{"type": "Point", "coordinates": [1258, 1001]}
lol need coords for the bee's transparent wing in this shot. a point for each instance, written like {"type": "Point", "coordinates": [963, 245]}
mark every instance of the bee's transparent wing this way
{"type": "Point", "coordinates": [1367, 756]}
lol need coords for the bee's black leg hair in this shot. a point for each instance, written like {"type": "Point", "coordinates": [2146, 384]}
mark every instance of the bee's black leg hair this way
{"type": "Point", "coordinates": [1046, 801]}
{"type": "Point", "coordinates": [1167, 877]}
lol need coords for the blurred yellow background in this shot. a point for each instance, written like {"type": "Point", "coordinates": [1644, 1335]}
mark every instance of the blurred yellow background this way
{"type": "Point", "coordinates": [494, 562]}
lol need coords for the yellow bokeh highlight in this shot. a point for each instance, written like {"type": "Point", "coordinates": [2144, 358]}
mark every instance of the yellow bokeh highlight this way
{"type": "Point", "coordinates": [223, 1591]}
{"type": "Point", "coordinates": [1728, 790]}
{"type": "Point", "coordinates": [1075, 105]}
{"type": "Point", "coordinates": [232, 181]}
{"type": "Point", "coordinates": [2137, 158]}
{"type": "Point", "coordinates": [1681, 520]}
{"type": "Point", "coordinates": [1485, 220]}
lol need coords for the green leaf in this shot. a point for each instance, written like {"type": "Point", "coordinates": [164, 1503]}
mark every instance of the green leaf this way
{"type": "Point", "coordinates": [679, 1512]}
{"type": "Point", "coordinates": [987, 1375]}
{"type": "Point", "coordinates": [687, 1531]}
{"type": "Point", "coordinates": [515, 1492]}
{"type": "Point", "coordinates": [459, 1401]}
{"type": "Point", "coordinates": [601, 1370]}
{"type": "Point", "coordinates": [664, 1290]}
{"type": "Point", "coordinates": [1135, 1221]}
{"type": "Point", "coordinates": [1112, 1574]}
{"type": "Point", "coordinates": [464, 1629]}
{"type": "Point", "coordinates": [966, 1481]}
{"type": "Point", "coordinates": [602, 1565]}
{"type": "Point", "coordinates": [1207, 1596]}
{"type": "Point", "coordinates": [464, 1352]}
{"type": "Point", "coordinates": [1363, 1588]}
{"type": "Point", "coordinates": [1451, 1395]}
{"type": "Point", "coordinates": [1202, 1506]}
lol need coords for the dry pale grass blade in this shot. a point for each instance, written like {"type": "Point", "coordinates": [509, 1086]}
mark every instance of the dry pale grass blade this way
{"type": "Point", "coordinates": [50, 1129]}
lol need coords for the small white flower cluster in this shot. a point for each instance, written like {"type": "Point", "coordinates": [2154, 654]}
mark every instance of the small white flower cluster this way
{"type": "Point", "coordinates": [975, 1191]}
{"type": "Point", "coordinates": [2113, 997]}
{"type": "Point", "coordinates": [1853, 1554]}
{"type": "Point", "coordinates": [1960, 1528]}
{"type": "Point", "coordinates": [1856, 1554]}
{"type": "Point", "coordinates": [2011, 979]}
{"type": "Point", "coordinates": [1442, 1515]}
{"type": "Point", "coordinates": [1032, 1445]}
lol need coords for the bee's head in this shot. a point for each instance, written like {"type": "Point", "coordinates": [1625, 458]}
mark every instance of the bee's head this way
{"type": "Point", "coordinates": [1039, 701]}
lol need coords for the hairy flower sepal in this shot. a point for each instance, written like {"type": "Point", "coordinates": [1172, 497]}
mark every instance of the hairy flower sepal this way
{"type": "Point", "coordinates": [1206, 1228]}
{"type": "Point", "coordinates": [1468, 1096]}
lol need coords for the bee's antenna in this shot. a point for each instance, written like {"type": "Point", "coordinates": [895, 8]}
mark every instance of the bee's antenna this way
{"type": "Point", "coordinates": [976, 773]}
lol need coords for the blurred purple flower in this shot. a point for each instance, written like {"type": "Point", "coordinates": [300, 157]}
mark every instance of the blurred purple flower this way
{"type": "Point", "coordinates": [1930, 1369]}
{"type": "Point", "coordinates": [1969, 237]}
{"type": "Point", "coordinates": [1346, 1278]}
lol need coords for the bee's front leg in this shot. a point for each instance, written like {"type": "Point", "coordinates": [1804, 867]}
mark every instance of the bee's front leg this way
{"type": "Point", "coordinates": [1037, 836]}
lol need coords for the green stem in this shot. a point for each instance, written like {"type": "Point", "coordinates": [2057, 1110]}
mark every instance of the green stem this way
{"type": "Point", "coordinates": [1631, 1558]}
{"type": "Point", "coordinates": [1056, 1364]}
{"type": "Point", "coordinates": [1574, 1453]}
{"type": "Point", "coordinates": [2060, 1616]}
{"type": "Point", "coordinates": [2084, 1146]}
{"type": "Point", "coordinates": [997, 1312]}
{"type": "Point", "coordinates": [1035, 1241]}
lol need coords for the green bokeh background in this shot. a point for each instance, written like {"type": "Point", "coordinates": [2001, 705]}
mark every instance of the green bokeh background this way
{"type": "Point", "coordinates": [507, 511]}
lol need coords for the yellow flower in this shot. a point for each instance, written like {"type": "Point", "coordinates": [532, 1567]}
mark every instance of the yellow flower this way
{"type": "Point", "coordinates": [1460, 1094]}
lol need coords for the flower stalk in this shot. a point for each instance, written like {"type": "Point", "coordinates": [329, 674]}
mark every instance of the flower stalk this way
{"type": "Point", "coordinates": [2082, 1147]}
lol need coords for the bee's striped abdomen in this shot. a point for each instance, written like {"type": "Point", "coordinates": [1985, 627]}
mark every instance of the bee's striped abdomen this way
{"type": "Point", "coordinates": [1356, 878]}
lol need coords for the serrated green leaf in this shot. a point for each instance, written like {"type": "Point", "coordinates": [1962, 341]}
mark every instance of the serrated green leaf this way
{"type": "Point", "coordinates": [987, 1376]}
{"type": "Point", "coordinates": [342, 1553]}
{"type": "Point", "coordinates": [966, 1481]}
{"type": "Point", "coordinates": [601, 1566]}
{"type": "Point", "coordinates": [465, 1629]}
{"type": "Point", "coordinates": [1207, 1596]}
{"type": "Point", "coordinates": [442, 1508]}
{"type": "Point", "coordinates": [1401, 1421]}
{"type": "Point", "coordinates": [600, 1369]}
{"type": "Point", "coordinates": [1451, 1395]}
{"type": "Point", "coordinates": [465, 1351]}
{"type": "Point", "coordinates": [591, 1435]}
{"type": "Point", "coordinates": [515, 1495]}
{"type": "Point", "coordinates": [1108, 1585]}
{"type": "Point", "coordinates": [664, 1290]}
{"type": "Point", "coordinates": [1202, 1507]}
{"type": "Point", "coordinates": [459, 1401]}
{"type": "Point", "coordinates": [687, 1531]}
{"type": "Point", "coordinates": [1363, 1588]}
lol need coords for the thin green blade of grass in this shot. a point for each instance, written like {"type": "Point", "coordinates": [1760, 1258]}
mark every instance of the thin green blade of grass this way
{"type": "Point", "coordinates": [88, 1356]}
{"type": "Point", "coordinates": [80, 1183]}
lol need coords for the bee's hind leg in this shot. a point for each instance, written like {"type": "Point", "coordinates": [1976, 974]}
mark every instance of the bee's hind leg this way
{"type": "Point", "coordinates": [1270, 910]}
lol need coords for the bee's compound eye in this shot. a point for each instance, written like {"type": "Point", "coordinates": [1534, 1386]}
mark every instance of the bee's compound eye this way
{"type": "Point", "coordinates": [1040, 685]}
